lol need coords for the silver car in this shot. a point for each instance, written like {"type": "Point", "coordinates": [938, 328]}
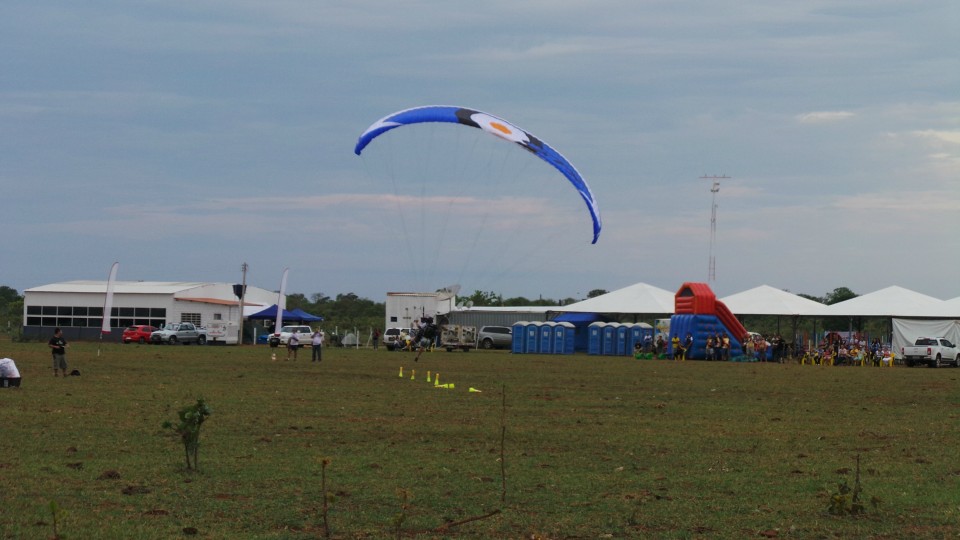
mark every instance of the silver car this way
{"type": "Point", "coordinates": [495, 337]}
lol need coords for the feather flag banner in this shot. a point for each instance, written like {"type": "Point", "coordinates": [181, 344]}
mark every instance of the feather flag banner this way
{"type": "Point", "coordinates": [281, 301]}
{"type": "Point", "coordinates": [108, 301]}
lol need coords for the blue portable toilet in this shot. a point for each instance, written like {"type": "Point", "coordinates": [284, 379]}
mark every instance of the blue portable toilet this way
{"type": "Point", "coordinates": [638, 333]}
{"type": "Point", "coordinates": [595, 338]}
{"type": "Point", "coordinates": [517, 341]}
{"type": "Point", "coordinates": [564, 338]}
{"type": "Point", "coordinates": [546, 337]}
{"type": "Point", "coordinates": [623, 333]}
{"type": "Point", "coordinates": [610, 339]}
{"type": "Point", "coordinates": [531, 339]}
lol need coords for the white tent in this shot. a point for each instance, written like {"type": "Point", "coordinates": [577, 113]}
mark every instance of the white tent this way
{"type": "Point", "coordinates": [906, 331]}
{"type": "Point", "coordinates": [637, 298]}
{"type": "Point", "coordinates": [767, 300]}
{"type": "Point", "coordinates": [948, 309]}
{"type": "Point", "coordinates": [890, 302]}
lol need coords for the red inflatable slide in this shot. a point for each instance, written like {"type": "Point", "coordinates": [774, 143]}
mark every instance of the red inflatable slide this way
{"type": "Point", "coordinates": [698, 299]}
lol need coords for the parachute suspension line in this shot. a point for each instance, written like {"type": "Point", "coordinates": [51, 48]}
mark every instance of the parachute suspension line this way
{"type": "Point", "coordinates": [500, 172]}
{"type": "Point", "coordinates": [460, 178]}
{"type": "Point", "coordinates": [387, 158]}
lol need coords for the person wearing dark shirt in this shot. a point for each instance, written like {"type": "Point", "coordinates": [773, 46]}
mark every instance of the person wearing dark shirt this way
{"type": "Point", "coordinates": [58, 348]}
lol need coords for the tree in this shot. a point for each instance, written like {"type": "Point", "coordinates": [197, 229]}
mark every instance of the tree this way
{"type": "Point", "coordinates": [596, 292]}
{"type": "Point", "coordinates": [839, 295]}
{"type": "Point", "coordinates": [484, 298]}
{"type": "Point", "coordinates": [7, 295]}
{"type": "Point", "coordinates": [296, 300]}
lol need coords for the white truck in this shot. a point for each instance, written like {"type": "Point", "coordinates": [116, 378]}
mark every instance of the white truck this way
{"type": "Point", "coordinates": [931, 351]}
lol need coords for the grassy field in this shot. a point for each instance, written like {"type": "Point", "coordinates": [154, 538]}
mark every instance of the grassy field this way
{"type": "Point", "coordinates": [593, 447]}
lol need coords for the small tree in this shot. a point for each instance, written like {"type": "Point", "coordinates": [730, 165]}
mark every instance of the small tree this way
{"type": "Point", "coordinates": [191, 417]}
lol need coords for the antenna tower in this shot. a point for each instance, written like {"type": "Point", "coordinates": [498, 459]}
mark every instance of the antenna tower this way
{"type": "Point", "coordinates": [712, 270]}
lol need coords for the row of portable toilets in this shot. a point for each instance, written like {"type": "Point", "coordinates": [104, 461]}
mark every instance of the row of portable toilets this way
{"type": "Point", "coordinates": [611, 339]}
{"type": "Point", "coordinates": [617, 339]}
{"type": "Point", "coordinates": [543, 337]}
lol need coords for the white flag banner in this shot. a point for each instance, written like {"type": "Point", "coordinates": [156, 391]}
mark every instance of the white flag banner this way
{"type": "Point", "coordinates": [281, 301]}
{"type": "Point", "coordinates": [108, 302]}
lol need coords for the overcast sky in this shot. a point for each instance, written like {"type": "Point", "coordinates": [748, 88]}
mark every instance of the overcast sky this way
{"type": "Point", "coordinates": [183, 138]}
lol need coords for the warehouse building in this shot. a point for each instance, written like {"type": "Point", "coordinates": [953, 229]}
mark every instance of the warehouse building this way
{"type": "Point", "coordinates": [77, 307]}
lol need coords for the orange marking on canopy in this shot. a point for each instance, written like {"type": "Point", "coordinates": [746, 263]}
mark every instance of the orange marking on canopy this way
{"type": "Point", "coordinates": [501, 128]}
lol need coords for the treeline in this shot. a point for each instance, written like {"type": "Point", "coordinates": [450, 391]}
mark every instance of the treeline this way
{"type": "Point", "coordinates": [11, 310]}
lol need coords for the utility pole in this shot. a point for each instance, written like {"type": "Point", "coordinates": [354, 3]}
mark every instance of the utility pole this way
{"type": "Point", "coordinates": [712, 270]}
{"type": "Point", "coordinates": [243, 294]}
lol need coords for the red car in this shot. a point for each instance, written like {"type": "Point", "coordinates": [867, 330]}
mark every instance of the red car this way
{"type": "Point", "coordinates": [139, 333]}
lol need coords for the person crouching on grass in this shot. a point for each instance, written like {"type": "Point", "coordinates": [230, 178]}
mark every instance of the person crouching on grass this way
{"type": "Point", "coordinates": [9, 374]}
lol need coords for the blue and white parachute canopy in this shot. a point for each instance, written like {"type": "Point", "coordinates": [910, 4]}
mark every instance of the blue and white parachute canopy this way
{"type": "Point", "coordinates": [495, 126]}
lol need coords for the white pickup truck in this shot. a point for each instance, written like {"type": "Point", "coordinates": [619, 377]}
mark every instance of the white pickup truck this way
{"type": "Point", "coordinates": [931, 351]}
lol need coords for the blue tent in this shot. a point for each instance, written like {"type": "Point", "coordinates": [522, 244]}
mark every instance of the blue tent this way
{"type": "Point", "coordinates": [297, 315]}
{"type": "Point", "coordinates": [302, 316]}
{"type": "Point", "coordinates": [581, 323]}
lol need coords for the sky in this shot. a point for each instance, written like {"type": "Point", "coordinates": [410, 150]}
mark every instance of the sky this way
{"type": "Point", "coordinates": [185, 138]}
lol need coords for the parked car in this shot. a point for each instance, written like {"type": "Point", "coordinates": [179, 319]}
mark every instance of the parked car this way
{"type": "Point", "coordinates": [394, 338]}
{"type": "Point", "coordinates": [285, 332]}
{"type": "Point", "coordinates": [495, 337]}
{"type": "Point", "coordinates": [139, 333]}
{"type": "Point", "coordinates": [182, 332]}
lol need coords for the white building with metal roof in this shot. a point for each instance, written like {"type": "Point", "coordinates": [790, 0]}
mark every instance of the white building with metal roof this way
{"type": "Point", "coordinates": [77, 306]}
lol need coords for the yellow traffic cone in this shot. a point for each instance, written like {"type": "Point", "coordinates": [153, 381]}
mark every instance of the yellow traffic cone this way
{"type": "Point", "coordinates": [401, 371]}
{"type": "Point", "coordinates": [436, 379]}
{"type": "Point", "coordinates": [413, 374]}
{"type": "Point", "coordinates": [472, 389]}
{"type": "Point", "coordinates": [273, 357]}
{"type": "Point", "coordinates": [428, 377]}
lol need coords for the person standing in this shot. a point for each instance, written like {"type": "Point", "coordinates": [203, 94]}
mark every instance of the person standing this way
{"type": "Point", "coordinates": [58, 347]}
{"type": "Point", "coordinates": [293, 344]}
{"type": "Point", "coordinates": [316, 341]}
{"type": "Point", "coordinates": [376, 338]}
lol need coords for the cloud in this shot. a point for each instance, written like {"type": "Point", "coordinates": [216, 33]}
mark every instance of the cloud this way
{"type": "Point", "coordinates": [952, 137]}
{"type": "Point", "coordinates": [824, 117]}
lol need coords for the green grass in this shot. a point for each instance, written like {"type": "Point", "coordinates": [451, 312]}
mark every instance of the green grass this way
{"type": "Point", "coordinates": [595, 447]}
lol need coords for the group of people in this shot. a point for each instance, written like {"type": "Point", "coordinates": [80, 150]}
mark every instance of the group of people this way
{"type": "Point", "coordinates": [421, 337]}
{"type": "Point", "coordinates": [756, 346]}
{"type": "Point", "coordinates": [10, 375]}
{"type": "Point", "coordinates": [836, 351]}
{"type": "Point", "coordinates": [317, 339]}
{"type": "Point", "coordinates": [717, 346]}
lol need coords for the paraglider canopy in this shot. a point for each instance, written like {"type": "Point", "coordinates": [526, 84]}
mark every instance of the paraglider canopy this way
{"type": "Point", "coordinates": [495, 126]}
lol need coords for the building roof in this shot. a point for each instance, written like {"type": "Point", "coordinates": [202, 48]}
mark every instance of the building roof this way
{"type": "Point", "coordinates": [119, 287]}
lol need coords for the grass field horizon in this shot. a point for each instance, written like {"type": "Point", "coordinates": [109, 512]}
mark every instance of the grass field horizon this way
{"type": "Point", "coordinates": [594, 447]}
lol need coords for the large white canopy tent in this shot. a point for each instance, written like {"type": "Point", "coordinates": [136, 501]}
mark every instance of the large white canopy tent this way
{"type": "Point", "coordinates": [890, 302]}
{"type": "Point", "coordinates": [639, 298]}
{"type": "Point", "coordinates": [767, 300]}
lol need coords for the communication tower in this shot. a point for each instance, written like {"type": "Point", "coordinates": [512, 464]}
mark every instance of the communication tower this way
{"type": "Point", "coordinates": [712, 270]}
